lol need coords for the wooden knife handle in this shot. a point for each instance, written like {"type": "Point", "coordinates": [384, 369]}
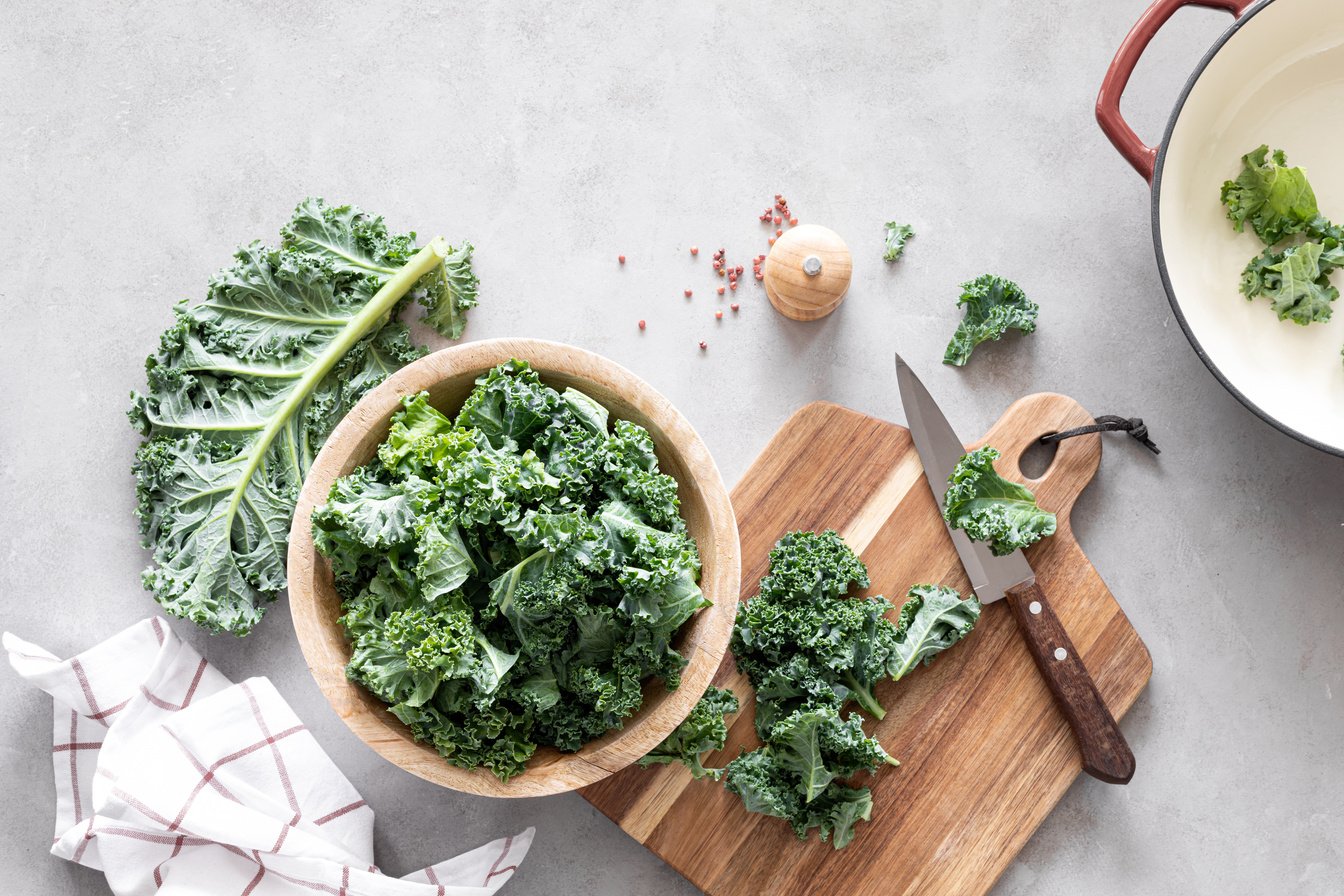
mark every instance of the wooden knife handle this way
{"type": "Point", "coordinates": [1106, 755]}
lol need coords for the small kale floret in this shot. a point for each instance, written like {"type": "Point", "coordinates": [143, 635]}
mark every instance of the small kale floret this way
{"type": "Point", "coordinates": [896, 237]}
{"type": "Point", "coordinates": [797, 774]}
{"type": "Point", "coordinates": [1296, 280]}
{"type": "Point", "coordinates": [704, 730]}
{"type": "Point", "coordinates": [812, 565]}
{"type": "Point", "coordinates": [1275, 199]}
{"type": "Point", "coordinates": [993, 306]}
{"type": "Point", "coordinates": [991, 509]}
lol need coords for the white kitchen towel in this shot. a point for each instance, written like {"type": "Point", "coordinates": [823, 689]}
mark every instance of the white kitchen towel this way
{"type": "Point", "coordinates": [171, 780]}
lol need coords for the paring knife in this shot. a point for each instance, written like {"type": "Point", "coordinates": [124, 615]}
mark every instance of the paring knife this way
{"type": "Point", "coordinates": [1106, 755]}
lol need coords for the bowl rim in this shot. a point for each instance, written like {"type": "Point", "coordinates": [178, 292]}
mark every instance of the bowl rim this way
{"type": "Point", "coordinates": [308, 573]}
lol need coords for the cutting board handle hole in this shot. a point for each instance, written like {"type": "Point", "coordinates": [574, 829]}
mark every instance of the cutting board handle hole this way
{"type": "Point", "coordinates": [1036, 458]}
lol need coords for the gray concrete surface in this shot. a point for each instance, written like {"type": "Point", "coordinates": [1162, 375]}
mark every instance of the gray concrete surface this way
{"type": "Point", "coordinates": [139, 143]}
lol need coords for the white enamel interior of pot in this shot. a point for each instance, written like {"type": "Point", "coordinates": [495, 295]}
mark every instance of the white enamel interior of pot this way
{"type": "Point", "coordinates": [1278, 80]}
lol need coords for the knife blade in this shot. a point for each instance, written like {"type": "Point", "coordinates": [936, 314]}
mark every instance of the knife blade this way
{"type": "Point", "coordinates": [939, 450]}
{"type": "Point", "coordinates": [1105, 753]}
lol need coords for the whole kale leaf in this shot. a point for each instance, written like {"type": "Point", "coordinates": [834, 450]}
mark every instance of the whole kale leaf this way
{"type": "Point", "coordinates": [993, 306]}
{"type": "Point", "coordinates": [246, 386]}
{"type": "Point", "coordinates": [513, 576]}
{"type": "Point", "coordinates": [1275, 199]}
{"type": "Point", "coordinates": [991, 509]}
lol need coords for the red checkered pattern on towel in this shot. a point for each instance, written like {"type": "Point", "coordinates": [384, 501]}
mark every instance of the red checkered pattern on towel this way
{"type": "Point", "coordinates": [171, 780]}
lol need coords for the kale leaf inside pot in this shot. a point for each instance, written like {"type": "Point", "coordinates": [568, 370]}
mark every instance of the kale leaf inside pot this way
{"type": "Point", "coordinates": [511, 577]}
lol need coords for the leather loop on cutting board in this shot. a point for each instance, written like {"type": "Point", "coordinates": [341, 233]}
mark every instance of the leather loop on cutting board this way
{"type": "Point", "coordinates": [1076, 460]}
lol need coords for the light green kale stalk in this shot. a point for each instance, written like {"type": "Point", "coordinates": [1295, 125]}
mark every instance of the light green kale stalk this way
{"type": "Point", "coordinates": [246, 386]}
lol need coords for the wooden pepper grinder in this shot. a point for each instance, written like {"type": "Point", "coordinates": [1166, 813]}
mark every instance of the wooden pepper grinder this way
{"type": "Point", "coordinates": [807, 272]}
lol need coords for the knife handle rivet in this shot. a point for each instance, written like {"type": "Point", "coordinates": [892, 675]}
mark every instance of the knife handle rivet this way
{"type": "Point", "coordinates": [1034, 607]}
{"type": "Point", "coordinates": [1061, 653]}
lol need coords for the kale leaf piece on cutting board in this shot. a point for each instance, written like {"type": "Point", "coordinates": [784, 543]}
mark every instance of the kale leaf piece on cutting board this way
{"type": "Point", "coordinates": [991, 509]}
{"type": "Point", "coordinates": [704, 730]}
{"type": "Point", "coordinates": [993, 306]}
{"type": "Point", "coordinates": [808, 649]}
{"type": "Point", "coordinates": [512, 577]}
{"type": "Point", "coordinates": [247, 385]}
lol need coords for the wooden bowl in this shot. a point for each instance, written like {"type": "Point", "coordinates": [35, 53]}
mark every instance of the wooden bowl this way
{"type": "Point", "coordinates": [448, 376]}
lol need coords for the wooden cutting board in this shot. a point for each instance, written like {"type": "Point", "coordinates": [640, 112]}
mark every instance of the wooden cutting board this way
{"type": "Point", "coordinates": [984, 753]}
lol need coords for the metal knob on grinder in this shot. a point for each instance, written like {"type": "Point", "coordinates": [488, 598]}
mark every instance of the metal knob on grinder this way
{"type": "Point", "coordinates": [807, 272]}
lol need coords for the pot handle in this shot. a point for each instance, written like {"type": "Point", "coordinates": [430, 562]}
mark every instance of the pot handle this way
{"type": "Point", "coordinates": [1113, 124]}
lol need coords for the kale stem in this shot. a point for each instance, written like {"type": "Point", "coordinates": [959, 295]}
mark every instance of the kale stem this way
{"type": "Point", "coordinates": [864, 697]}
{"type": "Point", "coordinates": [355, 329]}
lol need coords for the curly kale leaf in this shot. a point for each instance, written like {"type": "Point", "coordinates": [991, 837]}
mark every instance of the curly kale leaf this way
{"type": "Point", "coordinates": [796, 775]}
{"type": "Point", "coordinates": [932, 619]}
{"type": "Point", "coordinates": [358, 244]}
{"type": "Point", "coordinates": [808, 649]}
{"type": "Point", "coordinates": [704, 730]}
{"type": "Point", "coordinates": [807, 566]}
{"type": "Point", "coordinates": [816, 747]}
{"type": "Point", "coordinates": [993, 307]}
{"type": "Point", "coordinates": [244, 389]}
{"type": "Point", "coordinates": [510, 576]}
{"type": "Point", "coordinates": [1275, 199]}
{"type": "Point", "coordinates": [1296, 280]}
{"type": "Point", "coordinates": [990, 509]}
{"type": "Point", "coordinates": [896, 237]}
{"type": "Point", "coordinates": [510, 406]}
{"type": "Point", "coordinates": [804, 645]}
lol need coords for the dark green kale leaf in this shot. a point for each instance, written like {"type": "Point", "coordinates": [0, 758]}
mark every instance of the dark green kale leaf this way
{"type": "Point", "coordinates": [795, 775]}
{"type": "Point", "coordinates": [932, 619]}
{"type": "Point", "coordinates": [246, 386]}
{"type": "Point", "coordinates": [808, 649]}
{"type": "Point", "coordinates": [990, 509]}
{"type": "Point", "coordinates": [813, 566]}
{"type": "Point", "coordinates": [1296, 280]}
{"type": "Point", "coordinates": [703, 731]}
{"type": "Point", "coordinates": [816, 747]}
{"type": "Point", "coordinates": [993, 307]}
{"type": "Point", "coordinates": [897, 234]}
{"type": "Point", "coordinates": [1276, 200]}
{"type": "Point", "coordinates": [836, 812]}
